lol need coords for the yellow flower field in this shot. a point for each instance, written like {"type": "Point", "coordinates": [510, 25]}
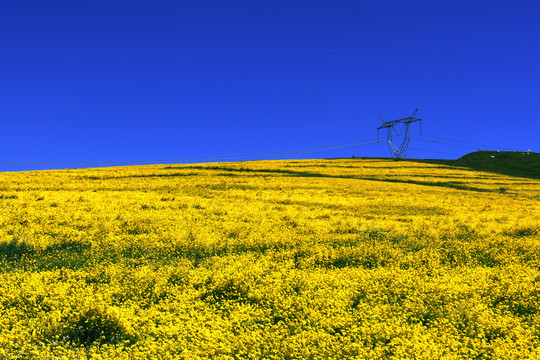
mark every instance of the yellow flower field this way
{"type": "Point", "coordinates": [304, 259]}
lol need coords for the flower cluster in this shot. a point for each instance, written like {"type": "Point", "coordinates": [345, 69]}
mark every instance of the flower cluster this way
{"type": "Point", "coordinates": [349, 258]}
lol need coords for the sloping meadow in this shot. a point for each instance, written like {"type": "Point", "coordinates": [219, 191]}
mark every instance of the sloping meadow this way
{"type": "Point", "coordinates": [365, 258]}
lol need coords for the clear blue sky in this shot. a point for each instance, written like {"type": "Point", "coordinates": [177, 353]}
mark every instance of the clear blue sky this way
{"type": "Point", "coordinates": [107, 81]}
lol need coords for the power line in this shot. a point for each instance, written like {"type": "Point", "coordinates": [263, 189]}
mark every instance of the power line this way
{"type": "Point", "coordinates": [325, 148]}
{"type": "Point", "coordinates": [194, 137]}
{"type": "Point", "coordinates": [312, 150]}
{"type": "Point", "coordinates": [446, 143]}
{"type": "Point", "coordinates": [434, 151]}
{"type": "Point", "coordinates": [467, 142]}
{"type": "Point", "coordinates": [344, 148]}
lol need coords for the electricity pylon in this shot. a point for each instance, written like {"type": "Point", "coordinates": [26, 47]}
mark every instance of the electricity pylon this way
{"type": "Point", "coordinates": [404, 127]}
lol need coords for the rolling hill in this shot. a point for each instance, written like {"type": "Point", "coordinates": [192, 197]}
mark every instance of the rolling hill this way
{"type": "Point", "coordinates": [513, 163]}
{"type": "Point", "coordinates": [296, 259]}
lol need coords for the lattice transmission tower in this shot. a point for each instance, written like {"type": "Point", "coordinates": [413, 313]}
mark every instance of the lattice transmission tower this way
{"type": "Point", "coordinates": [399, 127]}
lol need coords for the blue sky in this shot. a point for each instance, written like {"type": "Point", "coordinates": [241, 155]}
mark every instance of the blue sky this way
{"type": "Point", "coordinates": [120, 81]}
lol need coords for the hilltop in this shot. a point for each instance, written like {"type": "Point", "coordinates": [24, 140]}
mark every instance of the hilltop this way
{"type": "Point", "coordinates": [523, 164]}
{"type": "Point", "coordinates": [512, 163]}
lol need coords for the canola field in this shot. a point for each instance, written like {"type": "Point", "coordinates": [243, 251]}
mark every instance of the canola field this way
{"type": "Point", "coordinates": [305, 259]}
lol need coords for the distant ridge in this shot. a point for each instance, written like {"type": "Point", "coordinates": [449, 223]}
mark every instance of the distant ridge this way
{"type": "Point", "coordinates": [522, 164]}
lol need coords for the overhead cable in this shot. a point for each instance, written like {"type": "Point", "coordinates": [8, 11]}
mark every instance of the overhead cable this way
{"type": "Point", "coordinates": [445, 143]}
{"type": "Point", "coordinates": [325, 148]}
{"type": "Point", "coordinates": [467, 142]}
{"type": "Point", "coordinates": [434, 151]}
